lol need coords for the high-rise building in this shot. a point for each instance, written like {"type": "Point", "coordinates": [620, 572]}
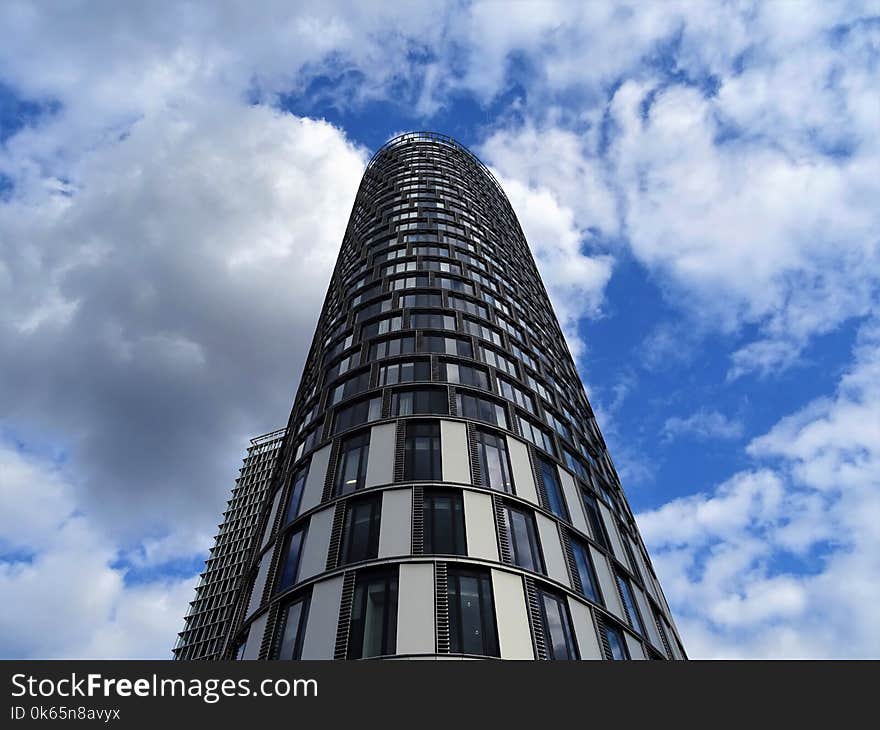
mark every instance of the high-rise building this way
{"type": "Point", "coordinates": [209, 619]}
{"type": "Point", "coordinates": [443, 489]}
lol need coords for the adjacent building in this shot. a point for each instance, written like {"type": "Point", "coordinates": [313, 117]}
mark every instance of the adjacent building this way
{"type": "Point", "coordinates": [209, 620]}
{"type": "Point", "coordinates": [443, 489]}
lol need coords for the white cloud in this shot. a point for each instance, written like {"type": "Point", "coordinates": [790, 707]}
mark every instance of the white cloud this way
{"type": "Point", "coordinates": [174, 292]}
{"type": "Point", "coordinates": [65, 597]}
{"type": "Point", "coordinates": [749, 206]}
{"type": "Point", "coordinates": [783, 560]}
{"type": "Point", "coordinates": [704, 424]}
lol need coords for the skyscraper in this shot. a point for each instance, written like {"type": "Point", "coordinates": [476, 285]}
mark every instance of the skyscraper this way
{"type": "Point", "coordinates": [443, 489]}
{"type": "Point", "coordinates": [208, 621]}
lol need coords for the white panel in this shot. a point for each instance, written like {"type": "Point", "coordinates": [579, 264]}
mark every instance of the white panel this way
{"type": "Point", "coordinates": [584, 629]}
{"type": "Point", "coordinates": [575, 503]}
{"type": "Point", "coordinates": [415, 609]}
{"type": "Point", "coordinates": [456, 461]}
{"type": "Point", "coordinates": [514, 635]}
{"type": "Point", "coordinates": [479, 524]}
{"type": "Point", "coordinates": [395, 525]}
{"type": "Point", "coordinates": [647, 617]}
{"type": "Point", "coordinates": [551, 546]}
{"type": "Point", "coordinates": [255, 637]}
{"type": "Point", "coordinates": [636, 651]}
{"type": "Point", "coordinates": [320, 638]}
{"type": "Point", "coordinates": [380, 459]}
{"type": "Point", "coordinates": [611, 528]}
{"type": "Point", "coordinates": [607, 584]}
{"type": "Point", "coordinates": [523, 481]}
{"type": "Point", "coordinates": [259, 583]}
{"type": "Point", "coordinates": [267, 530]}
{"type": "Point", "coordinates": [314, 487]}
{"type": "Point", "coordinates": [316, 544]}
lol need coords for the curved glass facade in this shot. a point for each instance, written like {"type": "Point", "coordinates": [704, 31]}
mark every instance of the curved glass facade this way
{"type": "Point", "coordinates": [443, 489]}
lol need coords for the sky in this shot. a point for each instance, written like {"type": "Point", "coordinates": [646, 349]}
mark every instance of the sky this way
{"type": "Point", "coordinates": [698, 181]}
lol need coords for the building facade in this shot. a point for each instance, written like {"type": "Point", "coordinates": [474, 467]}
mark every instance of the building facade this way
{"type": "Point", "coordinates": [209, 620]}
{"type": "Point", "coordinates": [443, 490]}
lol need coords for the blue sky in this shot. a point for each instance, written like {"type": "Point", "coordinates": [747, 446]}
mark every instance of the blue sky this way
{"type": "Point", "coordinates": [698, 183]}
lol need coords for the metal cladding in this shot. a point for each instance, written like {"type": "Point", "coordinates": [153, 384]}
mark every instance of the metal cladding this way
{"type": "Point", "coordinates": [443, 490]}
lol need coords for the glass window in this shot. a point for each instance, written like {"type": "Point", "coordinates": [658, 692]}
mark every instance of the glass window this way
{"type": "Point", "coordinates": [616, 643]}
{"type": "Point", "coordinates": [516, 394]}
{"type": "Point", "coordinates": [629, 603]}
{"type": "Point", "coordinates": [432, 320]}
{"type": "Point", "coordinates": [494, 462]}
{"type": "Point", "coordinates": [444, 523]}
{"type": "Point", "coordinates": [471, 613]}
{"type": "Point", "coordinates": [351, 470]}
{"type": "Point", "coordinates": [499, 361]}
{"type": "Point", "coordinates": [550, 478]}
{"type": "Point", "coordinates": [454, 372]}
{"type": "Point", "coordinates": [585, 571]}
{"type": "Point", "coordinates": [482, 331]}
{"type": "Point", "coordinates": [422, 452]}
{"type": "Point", "coordinates": [524, 539]}
{"type": "Point", "coordinates": [372, 309]}
{"type": "Point", "coordinates": [427, 401]}
{"type": "Point", "coordinates": [392, 347]}
{"type": "Point", "coordinates": [381, 327]}
{"type": "Point", "coordinates": [480, 409]}
{"type": "Point", "coordinates": [537, 435]}
{"type": "Point", "coordinates": [373, 628]}
{"type": "Point", "coordinates": [296, 493]}
{"type": "Point", "coordinates": [360, 533]}
{"type": "Point", "coordinates": [421, 299]}
{"type": "Point", "coordinates": [595, 519]}
{"type": "Point", "coordinates": [447, 345]}
{"type": "Point", "coordinates": [292, 550]}
{"type": "Point", "coordinates": [409, 282]}
{"type": "Point", "coordinates": [354, 415]}
{"type": "Point", "coordinates": [344, 365]}
{"type": "Point", "coordinates": [404, 372]}
{"type": "Point", "coordinates": [352, 386]}
{"type": "Point", "coordinates": [294, 630]}
{"type": "Point", "coordinates": [455, 285]}
{"type": "Point", "coordinates": [557, 626]}
{"type": "Point", "coordinates": [466, 305]}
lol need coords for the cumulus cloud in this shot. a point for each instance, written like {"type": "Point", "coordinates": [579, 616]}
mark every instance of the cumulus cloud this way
{"type": "Point", "coordinates": [739, 173]}
{"type": "Point", "coordinates": [781, 560]}
{"type": "Point", "coordinates": [67, 598]}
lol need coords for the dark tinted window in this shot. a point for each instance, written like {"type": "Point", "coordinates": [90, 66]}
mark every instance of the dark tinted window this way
{"type": "Point", "coordinates": [480, 409]}
{"type": "Point", "coordinates": [595, 519]}
{"type": "Point", "coordinates": [294, 627]}
{"type": "Point", "coordinates": [471, 613]}
{"type": "Point", "coordinates": [296, 492]}
{"type": "Point", "coordinates": [585, 571]}
{"type": "Point", "coordinates": [444, 523]}
{"type": "Point", "coordinates": [424, 401]}
{"type": "Point", "coordinates": [351, 470]}
{"type": "Point", "coordinates": [524, 539]}
{"type": "Point", "coordinates": [360, 536]}
{"type": "Point", "coordinates": [404, 372]}
{"type": "Point", "coordinates": [550, 478]}
{"type": "Point", "coordinates": [557, 626]}
{"type": "Point", "coordinates": [493, 460]}
{"type": "Point", "coordinates": [373, 628]}
{"type": "Point", "coordinates": [292, 551]}
{"type": "Point", "coordinates": [422, 451]}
